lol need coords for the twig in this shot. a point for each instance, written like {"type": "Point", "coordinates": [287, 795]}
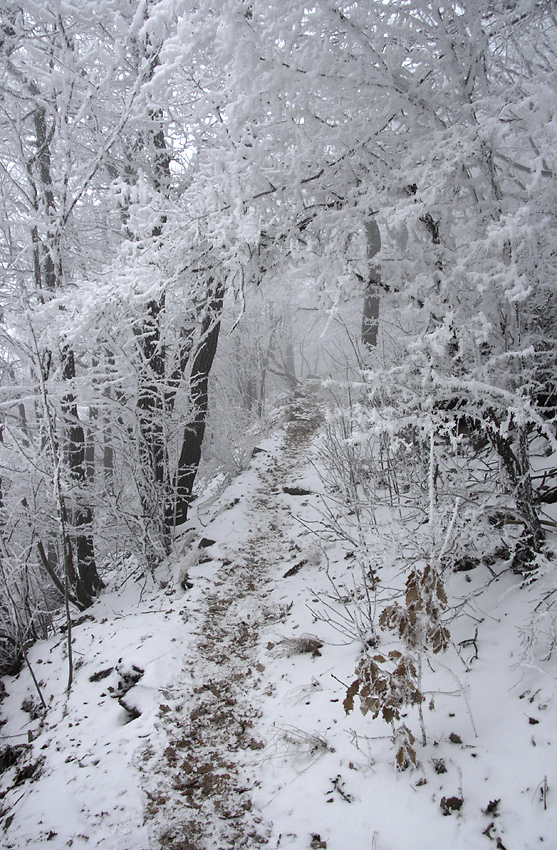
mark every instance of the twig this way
{"type": "Point", "coordinates": [344, 685]}
{"type": "Point", "coordinates": [471, 642]}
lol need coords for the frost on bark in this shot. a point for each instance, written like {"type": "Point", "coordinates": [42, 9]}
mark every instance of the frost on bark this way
{"type": "Point", "coordinates": [151, 412]}
{"type": "Point", "coordinates": [370, 317]}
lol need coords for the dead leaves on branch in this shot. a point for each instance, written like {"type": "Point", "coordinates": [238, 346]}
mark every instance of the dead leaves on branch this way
{"type": "Point", "coordinates": [382, 691]}
{"type": "Point", "coordinates": [385, 683]}
{"type": "Point", "coordinates": [404, 741]}
{"type": "Point", "coordinates": [418, 623]}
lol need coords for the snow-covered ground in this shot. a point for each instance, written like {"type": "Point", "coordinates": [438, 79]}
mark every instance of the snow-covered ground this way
{"type": "Point", "coordinates": [208, 706]}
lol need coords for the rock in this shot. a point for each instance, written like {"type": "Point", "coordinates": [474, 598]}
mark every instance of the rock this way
{"type": "Point", "coordinates": [295, 491]}
{"type": "Point", "coordinates": [462, 565]}
{"type": "Point", "coordinates": [295, 569]}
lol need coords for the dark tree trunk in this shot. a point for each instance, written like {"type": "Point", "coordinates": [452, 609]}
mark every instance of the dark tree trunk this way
{"type": "Point", "coordinates": [85, 571]}
{"type": "Point", "coordinates": [516, 462]}
{"type": "Point", "coordinates": [47, 262]}
{"type": "Point", "coordinates": [48, 273]}
{"type": "Point", "coordinates": [157, 389]}
{"type": "Point", "coordinates": [290, 366]}
{"type": "Point", "coordinates": [151, 400]}
{"type": "Point", "coordinates": [151, 406]}
{"type": "Point", "coordinates": [90, 453]}
{"type": "Point", "coordinates": [370, 314]}
{"type": "Point", "coordinates": [190, 455]}
{"type": "Point", "coordinates": [108, 459]}
{"type": "Point", "coordinates": [1, 480]}
{"type": "Point", "coordinates": [107, 439]}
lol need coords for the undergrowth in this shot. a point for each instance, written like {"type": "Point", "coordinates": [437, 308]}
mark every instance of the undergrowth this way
{"type": "Point", "coordinates": [419, 506]}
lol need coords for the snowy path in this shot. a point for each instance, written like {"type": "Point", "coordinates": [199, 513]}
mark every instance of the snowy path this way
{"type": "Point", "coordinates": [201, 799]}
{"type": "Point", "coordinates": [199, 720]}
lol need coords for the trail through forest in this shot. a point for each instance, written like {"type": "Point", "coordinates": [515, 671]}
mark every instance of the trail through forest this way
{"type": "Point", "coordinates": [204, 781]}
{"type": "Point", "coordinates": [209, 706]}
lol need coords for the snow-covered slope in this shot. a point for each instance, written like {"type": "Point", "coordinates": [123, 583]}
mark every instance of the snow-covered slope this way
{"type": "Point", "coordinates": [208, 707]}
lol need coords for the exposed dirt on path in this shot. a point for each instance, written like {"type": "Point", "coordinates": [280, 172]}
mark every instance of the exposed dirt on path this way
{"type": "Point", "coordinates": [199, 793]}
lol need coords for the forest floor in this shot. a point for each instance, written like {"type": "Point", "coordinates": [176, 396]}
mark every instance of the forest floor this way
{"type": "Point", "coordinates": [208, 705]}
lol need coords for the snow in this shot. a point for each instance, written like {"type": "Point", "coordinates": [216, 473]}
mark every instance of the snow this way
{"type": "Point", "coordinates": [194, 721]}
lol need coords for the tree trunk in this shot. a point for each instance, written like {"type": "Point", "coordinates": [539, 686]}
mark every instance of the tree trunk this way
{"type": "Point", "coordinates": [290, 365]}
{"type": "Point", "coordinates": [151, 406]}
{"type": "Point", "coordinates": [190, 454]}
{"type": "Point", "coordinates": [47, 261]}
{"type": "Point", "coordinates": [516, 462]}
{"type": "Point", "coordinates": [370, 316]}
{"type": "Point", "coordinates": [157, 389]}
{"type": "Point", "coordinates": [81, 516]}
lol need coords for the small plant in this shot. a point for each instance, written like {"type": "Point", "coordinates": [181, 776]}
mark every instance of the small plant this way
{"type": "Point", "coordinates": [544, 791]}
{"type": "Point", "coordinates": [386, 683]}
{"type": "Point", "coordinates": [383, 691]}
{"type": "Point", "coordinates": [299, 645]}
{"type": "Point", "coordinates": [307, 746]}
{"type": "Point", "coordinates": [33, 708]}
